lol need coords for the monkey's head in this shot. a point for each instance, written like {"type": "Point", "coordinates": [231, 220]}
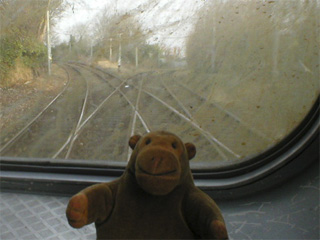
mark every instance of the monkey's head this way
{"type": "Point", "coordinates": [160, 161]}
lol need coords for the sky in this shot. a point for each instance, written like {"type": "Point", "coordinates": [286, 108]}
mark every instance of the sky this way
{"type": "Point", "coordinates": [170, 20]}
{"type": "Point", "coordinates": [79, 13]}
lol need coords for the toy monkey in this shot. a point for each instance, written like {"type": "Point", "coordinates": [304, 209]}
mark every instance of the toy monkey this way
{"type": "Point", "coordinates": [155, 198]}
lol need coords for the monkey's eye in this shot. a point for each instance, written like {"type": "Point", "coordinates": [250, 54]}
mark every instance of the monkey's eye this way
{"type": "Point", "coordinates": [174, 145]}
{"type": "Point", "coordinates": [148, 141]}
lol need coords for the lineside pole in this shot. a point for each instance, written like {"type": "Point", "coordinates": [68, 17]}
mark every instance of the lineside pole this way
{"type": "Point", "coordinates": [120, 49]}
{"type": "Point", "coordinates": [48, 43]}
{"type": "Point", "coordinates": [137, 57]}
{"type": "Point", "coordinates": [110, 50]}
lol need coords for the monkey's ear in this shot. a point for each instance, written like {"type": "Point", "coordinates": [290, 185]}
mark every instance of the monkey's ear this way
{"type": "Point", "coordinates": [191, 150]}
{"type": "Point", "coordinates": [133, 141]}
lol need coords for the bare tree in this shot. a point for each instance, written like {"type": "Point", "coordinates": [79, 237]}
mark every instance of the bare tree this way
{"type": "Point", "coordinates": [244, 36]}
{"type": "Point", "coordinates": [123, 29]}
{"type": "Point", "coordinates": [28, 18]}
{"type": "Point", "coordinates": [23, 30]}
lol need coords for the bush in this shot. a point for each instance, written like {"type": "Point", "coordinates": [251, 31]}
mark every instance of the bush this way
{"type": "Point", "coordinates": [34, 54]}
{"type": "Point", "coordinates": [10, 50]}
{"type": "Point", "coordinates": [31, 51]}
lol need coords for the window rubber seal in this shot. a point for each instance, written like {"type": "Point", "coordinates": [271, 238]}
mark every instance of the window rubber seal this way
{"type": "Point", "coordinates": [23, 174]}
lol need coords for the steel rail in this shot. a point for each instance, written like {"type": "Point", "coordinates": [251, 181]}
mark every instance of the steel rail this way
{"type": "Point", "coordinates": [73, 135]}
{"type": "Point", "coordinates": [20, 133]}
{"type": "Point", "coordinates": [177, 100]}
{"type": "Point", "coordinates": [207, 135]}
{"type": "Point", "coordinates": [135, 107]}
{"type": "Point", "coordinates": [83, 107]}
{"type": "Point", "coordinates": [192, 119]}
{"type": "Point", "coordinates": [81, 126]}
{"type": "Point", "coordinates": [118, 88]}
{"type": "Point", "coordinates": [231, 115]}
{"type": "Point", "coordinates": [135, 117]}
{"type": "Point", "coordinates": [214, 141]}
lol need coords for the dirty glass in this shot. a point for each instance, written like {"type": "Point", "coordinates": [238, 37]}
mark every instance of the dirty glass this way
{"type": "Point", "coordinates": [78, 78]}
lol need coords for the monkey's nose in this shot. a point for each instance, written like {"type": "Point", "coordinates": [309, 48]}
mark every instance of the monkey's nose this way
{"type": "Point", "coordinates": [156, 159]}
{"type": "Point", "coordinates": [156, 163]}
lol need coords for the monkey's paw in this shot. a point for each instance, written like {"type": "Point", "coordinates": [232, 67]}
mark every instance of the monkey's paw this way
{"type": "Point", "coordinates": [77, 211]}
{"type": "Point", "coordinates": [219, 230]}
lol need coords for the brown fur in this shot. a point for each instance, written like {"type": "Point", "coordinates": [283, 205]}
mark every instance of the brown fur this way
{"type": "Point", "coordinates": [155, 198]}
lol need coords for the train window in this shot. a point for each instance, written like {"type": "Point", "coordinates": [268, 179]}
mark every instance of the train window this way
{"type": "Point", "coordinates": [236, 78]}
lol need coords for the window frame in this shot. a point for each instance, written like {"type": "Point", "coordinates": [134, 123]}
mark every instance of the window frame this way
{"type": "Point", "coordinates": [282, 161]}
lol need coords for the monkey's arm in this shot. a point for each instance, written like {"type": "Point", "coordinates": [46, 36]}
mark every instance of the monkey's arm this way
{"type": "Point", "coordinates": [203, 216]}
{"type": "Point", "coordinates": [92, 204]}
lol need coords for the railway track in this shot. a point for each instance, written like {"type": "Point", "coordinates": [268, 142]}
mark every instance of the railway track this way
{"type": "Point", "coordinates": [105, 110]}
{"type": "Point", "coordinates": [230, 137]}
{"type": "Point", "coordinates": [174, 115]}
{"type": "Point", "coordinates": [111, 133]}
{"type": "Point", "coordinates": [42, 134]}
{"type": "Point", "coordinates": [179, 109]}
{"type": "Point", "coordinates": [16, 136]}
